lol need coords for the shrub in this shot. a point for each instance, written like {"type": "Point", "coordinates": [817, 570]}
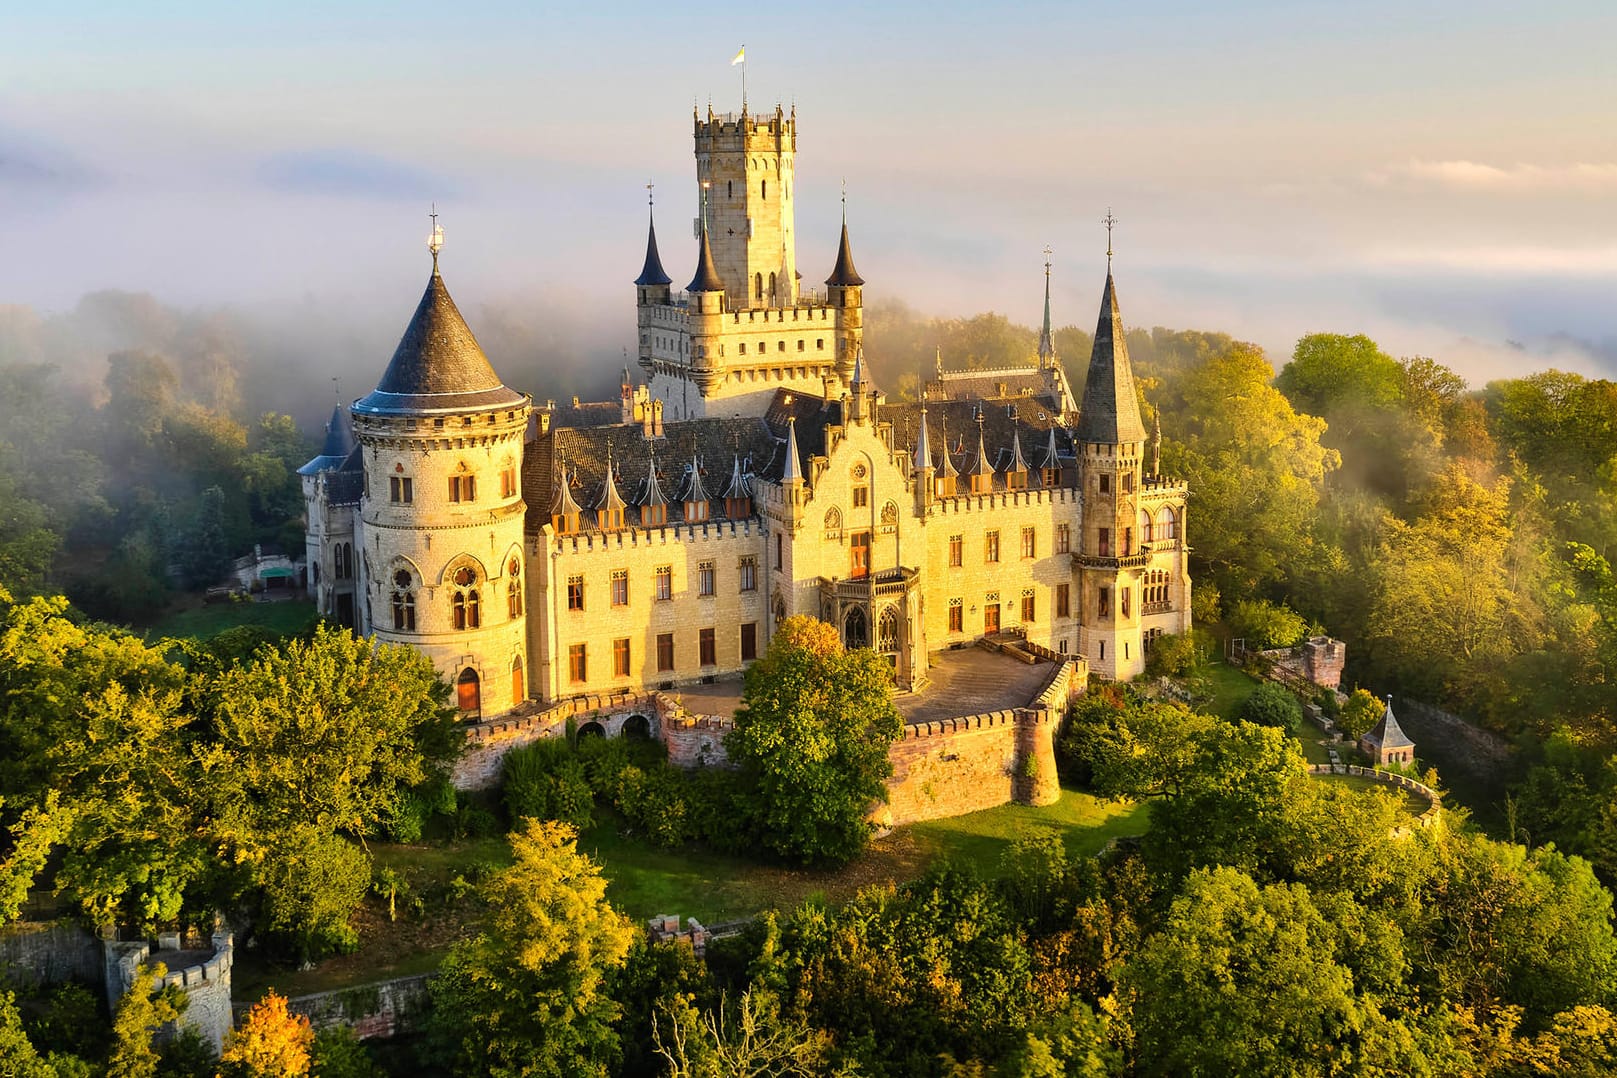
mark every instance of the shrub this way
{"type": "Point", "coordinates": [547, 781]}
{"type": "Point", "coordinates": [1176, 655]}
{"type": "Point", "coordinates": [1272, 704]}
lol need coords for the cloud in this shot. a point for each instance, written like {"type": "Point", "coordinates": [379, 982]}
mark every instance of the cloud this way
{"type": "Point", "coordinates": [1499, 260]}
{"type": "Point", "coordinates": [352, 174]}
{"type": "Point", "coordinates": [1479, 177]}
{"type": "Point", "coordinates": [31, 167]}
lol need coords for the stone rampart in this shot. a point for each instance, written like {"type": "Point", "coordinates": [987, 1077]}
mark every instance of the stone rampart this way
{"type": "Point", "coordinates": [949, 767]}
{"type": "Point", "coordinates": [203, 971]}
{"type": "Point", "coordinates": [380, 1010]}
{"type": "Point", "coordinates": [1434, 803]}
{"type": "Point", "coordinates": [49, 952]}
{"type": "Point", "coordinates": [488, 742]}
{"type": "Point", "coordinates": [1453, 743]}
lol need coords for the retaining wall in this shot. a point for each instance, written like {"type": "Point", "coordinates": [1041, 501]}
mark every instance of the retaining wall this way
{"type": "Point", "coordinates": [383, 1009]}
{"type": "Point", "coordinates": [1391, 778]}
{"type": "Point", "coordinates": [50, 952]}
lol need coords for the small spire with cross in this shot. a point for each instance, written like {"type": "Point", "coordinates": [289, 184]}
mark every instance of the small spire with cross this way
{"type": "Point", "coordinates": [1047, 253]}
{"type": "Point", "coordinates": [1109, 221]}
{"type": "Point", "coordinates": [649, 200]}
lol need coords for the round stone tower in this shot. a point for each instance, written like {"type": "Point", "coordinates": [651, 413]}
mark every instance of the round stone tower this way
{"type": "Point", "coordinates": [441, 516]}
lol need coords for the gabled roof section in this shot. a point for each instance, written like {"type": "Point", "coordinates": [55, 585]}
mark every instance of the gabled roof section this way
{"type": "Point", "coordinates": [843, 274]}
{"type": "Point", "coordinates": [562, 503]}
{"type": "Point", "coordinates": [438, 365]}
{"type": "Point", "coordinates": [1110, 413]}
{"type": "Point", "coordinates": [652, 273]}
{"type": "Point", "coordinates": [694, 490]}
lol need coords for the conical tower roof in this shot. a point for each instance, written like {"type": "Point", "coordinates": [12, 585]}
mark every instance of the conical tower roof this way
{"type": "Point", "coordinates": [947, 470]}
{"type": "Point", "coordinates": [707, 277]}
{"type": "Point", "coordinates": [562, 503]}
{"type": "Point", "coordinates": [843, 274]}
{"type": "Point", "coordinates": [1110, 414]}
{"type": "Point", "coordinates": [1018, 462]}
{"type": "Point", "coordinates": [652, 273]}
{"type": "Point", "coordinates": [610, 500]}
{"type": "Point", "coordinates": [1052, 458]}
{"type": "Point", "coordinates": [338, 444]}
{"type": "Point", "coordinates": [438, 365]}
{"type": "Point", "coordinates": [1388, 734]}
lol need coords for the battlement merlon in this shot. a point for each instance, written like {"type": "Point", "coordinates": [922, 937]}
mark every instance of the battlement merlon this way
{"type": "Point", "coordinates": [731, 132]}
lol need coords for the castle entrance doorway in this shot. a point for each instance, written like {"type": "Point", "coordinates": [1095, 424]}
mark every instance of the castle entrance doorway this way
{"type": "Point", "coordinates": [856, 628]}
{"type": "Point", "coordinates": [991, 618]}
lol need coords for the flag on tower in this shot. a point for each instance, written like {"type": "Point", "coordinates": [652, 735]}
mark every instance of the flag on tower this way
{"type": "Point", "coordinates": [741, 56]}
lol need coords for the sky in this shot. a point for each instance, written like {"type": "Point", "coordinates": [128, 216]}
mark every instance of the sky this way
{"type": "Point", "coordinates": [1441, 176]}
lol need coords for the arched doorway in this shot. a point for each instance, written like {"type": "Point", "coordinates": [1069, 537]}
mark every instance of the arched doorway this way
{"type": "Point", "coordinates": [592, 729]}
{"type": "Point", "coordinates": [637, 728]}
{"type": "Point", "coordinates": [469, 693]}
{"type": "Point", "coordinates": [856, 628]}
{"type": "Point", "coordinates": [519, 686]}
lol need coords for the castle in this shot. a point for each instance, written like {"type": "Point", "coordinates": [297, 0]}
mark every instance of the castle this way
{"type": "Point", "coordinates": [541, 553]}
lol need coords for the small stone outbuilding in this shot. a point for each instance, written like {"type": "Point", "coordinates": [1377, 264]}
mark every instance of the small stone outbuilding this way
{"type": "Point", "coordinates": [1387, 743]}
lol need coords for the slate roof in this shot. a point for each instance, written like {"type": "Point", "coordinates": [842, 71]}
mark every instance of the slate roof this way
{"type": "Point", "coordinates": [1110, 412]}
{"type": "Point", "coordinates": [993, 385]}
{"type": "Point", "coordinates": [652, 273]}
{"type": "Point", "coordinates": [843, 274]}
{"type": "Point", "coordinates": [438, 365]}
{"type": "Point", "coordinates": [707, 278]}
{"type": "Point", "coordinates": [1387, 733]}
{"type": "Point", "coordinates": [339, 443]}
{"type": "Point", "coordinates": [1004, 424]}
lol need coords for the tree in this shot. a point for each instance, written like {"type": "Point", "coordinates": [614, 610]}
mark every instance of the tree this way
{"type": "Point", "coordinates": [1360, 714]}
{"type": "Point", "coordinates": [1272, 704]}
{"type": "Point", "coordinates": [1243, 980]}
{"type": "Point", "coordinates": [526, 996]}
{"type": "Point", "coordinates": [140, 1014]}
{"type": "Point", "coordinates": [754, 1040]}
{"type": "Point", "coordinates": [811, 740]}
{"type": "Point", "coordinates": [1267, 625]}
{"type": "Point", "coordinates": [270, 1042]}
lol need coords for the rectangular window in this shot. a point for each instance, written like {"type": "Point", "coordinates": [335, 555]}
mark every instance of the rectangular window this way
{"type": "Point", "coordinates": [1104, 605]}
{"type": "Point", "coordinates": [819, 344]}
{"type": "Point", "coordinates": [957, 617]}
{"type": "Point", "coordinates": [664, 577]}
{"type": "Point", "coordinates": [462, 488]}
{"type": "Point", "coordinates": [749, 641]}
{"type": "Point", "coordinates": [620, 587]}
{"type": "Point", "coordinates": [620, 657]}
{"type": "Point", "coordinates": [779, 561]}
{"type": "Point", "coordinates": [1123, 599]}
{"type": "Point", "coordinates": [575, 593]}
{"type": "Point", "coordinates": [707, 649]}
{"type": "Point", "coordinates": [749, 574]}
{"type": "Point", "coordinates": [1028, 607]}
{"type": "Point", "coordinates": [665, 652]}
{"type": "Point", "coordinates": [1063, 601]}
{"type": "Point", "coordinates": [577, 664]}
{"type": "Point", "coordinates": [399, 489]}
{"type": "Point", "coordinates": [859, 549]}
{"type": "Point", "coordinates": [861, 497]}
{"type": "Point", "coordinates": [1029, 543]}
{"type": "Point", "coordinates": [743, 347]}
{"type": "Point", "coordinates": [991, 547]}
{"type": "Point", "coordinates": [704, 578]}
{"type": "Point", "coordinates": [508, 482]}
{"type": "Point", "coordinates": [1104, 543]}
{"type": "Point", "coordinates": [1128, 488]}
{"type": "Point", "coordinates": [1063, 539]}
{"type": "Point", "coordinates": [1105, 484]}
{"type": "Point", "coordinates": [957, 551]}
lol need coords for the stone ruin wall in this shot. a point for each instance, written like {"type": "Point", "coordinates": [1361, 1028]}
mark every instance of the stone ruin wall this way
{"type": "Point", "coordinates": [201, 969]}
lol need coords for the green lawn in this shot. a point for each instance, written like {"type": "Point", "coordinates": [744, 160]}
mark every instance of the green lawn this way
{"type": "Point", "coordinates": [1414, 804]}
{"type": "Point", "coordinates": [201, 622]}
{"type": "Point", "coordinates": [1230, 686]}
{"type": "Point", "coordinates": [644, 881]}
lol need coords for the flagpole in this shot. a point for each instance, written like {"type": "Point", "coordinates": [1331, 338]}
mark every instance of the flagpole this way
{"type": "Point", "coordinates": [743, 81]}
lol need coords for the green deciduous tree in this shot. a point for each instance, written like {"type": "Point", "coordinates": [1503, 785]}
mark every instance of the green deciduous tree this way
{"type": "Point", "coordinates": [526, 997]}
{"type": "Point", "coordinates": [1266, 625]}
{"type": "Point", "coordinates": [140, 1014]}
{"type": "Point", "coordinates": [811, 741]}
{"type": "Point", "coordinates": [1272, 704]}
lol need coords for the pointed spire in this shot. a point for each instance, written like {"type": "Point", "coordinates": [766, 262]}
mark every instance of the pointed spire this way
{"type": "Point", "coordinates": [1110, 414]}
{"type": "Point", "coordinates": [1387, 733]}
{"type": "Point", "coordinates": [947, 470]}
{"type": "Point", "coordinates": [562, 503]}
{"type": "Point", "coordinates": [1018, 462]}
{"type": "Point", "coordinates": [652, 273]}
{"type": "Point", "coordinates": [793, 472]}
{"type": "Point", "coordinates": [844, 275]}
{"type": "Point", "coordinates": [654, 491]}
{"type": "Point", "coordinates": [1052, 459]}
{"type": "Point", "coordinates": [1047, 341]}
{"type": "Point", "coordinates": [339, 435]}
{"type": "Point", "coordinates": [858, 369]}
{"type": "Point", "coordinates": [738, 483]}
{"type": "Point", "coordinates": [610, 500]}
{"type": "Point", "coordinates": [695, 491]}
{"type": "Point", "coordinates": [923, 446]}
{"type": "Point", "coordinates": [707, 277]}
{"type": "Point", "coordinates": [981, 467]}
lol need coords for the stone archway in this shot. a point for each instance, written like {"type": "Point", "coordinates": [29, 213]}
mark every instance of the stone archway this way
{"type": "Point", "coordinates": [637, 728]}
{"type": "Point", "coordinates": [469, 693]}
{"type": "Point", "coordinates": [592, 729]}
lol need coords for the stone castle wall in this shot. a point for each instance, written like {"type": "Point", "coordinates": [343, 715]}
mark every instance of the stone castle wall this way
{"type": "Point", "coordinates": [380, 1010]}
{"type": "Point", "coordinates": [49, 953]}
{"type": "Point", "coordinates": [204, 974]}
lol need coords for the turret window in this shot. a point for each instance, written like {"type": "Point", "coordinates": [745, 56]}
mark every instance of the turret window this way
{"type": "Point", "coordinates": [467, 603]}
{"type": "Point", "coordinates": [513, 590]}
{"type": "Point", "coordinates": [463, 488]}
{"type": "Point", "coordinates": [399, 490]}
{"type": "Point", "coordinates": [1105, 484]}
{"type": "Point", "coordinates": [508, 481]}
{"type": "Point", "coordinates": [1167, 524]}
{"type": "Point", "coordinates": [1103, 606]}
{"type": "Point", "coordinates": [403, 601]}
{"type": "Point", "coordinates": [1103, 543]}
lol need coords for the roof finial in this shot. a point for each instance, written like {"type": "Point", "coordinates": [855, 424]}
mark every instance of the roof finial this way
{"type": "Point", "coordinates": [435, 241]}
{"type": "Point", "coordinates": [1110, 221]}
{"type": "Point", "coordinates": [844, 200]}
{"type": "Point", "coordinates": [336, 390]}
{"type": "Point", "coordinates": [649, 200]}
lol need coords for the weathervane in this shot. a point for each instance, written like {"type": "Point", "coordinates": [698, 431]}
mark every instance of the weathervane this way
{"type": "Point", "coordinates": [1109, 221]}
{"type": "Point", "coordinates": [1047, 253]}
{"type": "Point", "coordinates": [649, 200]}
{"type": "Point", "coordinates": [435, 242]}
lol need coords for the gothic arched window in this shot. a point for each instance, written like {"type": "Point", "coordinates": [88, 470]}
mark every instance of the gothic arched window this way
{"type": "Point", "coordinates": [887, 630]}
{"type": "Point", "coordinates": [758, 286]}
{"type": "Point", "coordinates": [513, 591]}
{"type": "Point", "coordinates": [1167, 523]}
{"type": "Point", "coordinates": [403, 601]}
